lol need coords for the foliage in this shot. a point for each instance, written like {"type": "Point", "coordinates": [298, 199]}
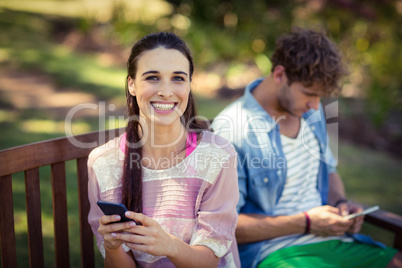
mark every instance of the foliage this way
{"type": "Point", "coordinates": [226, 37]}
{"type": "Point", "coordinates": [223, 32]}
{"type": "Point", "coordinates": [369, 35]}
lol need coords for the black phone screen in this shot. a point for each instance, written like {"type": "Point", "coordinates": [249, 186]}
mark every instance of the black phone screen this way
{"type": "Point", "coordinates": [109, 208]}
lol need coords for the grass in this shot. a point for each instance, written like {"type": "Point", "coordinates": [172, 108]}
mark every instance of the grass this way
{"type": "Point", "coordinates": [372, 178]}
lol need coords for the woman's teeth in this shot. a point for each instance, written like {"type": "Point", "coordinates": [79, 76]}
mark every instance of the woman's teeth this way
{"type": "Point", "coordinates": [163, 106]}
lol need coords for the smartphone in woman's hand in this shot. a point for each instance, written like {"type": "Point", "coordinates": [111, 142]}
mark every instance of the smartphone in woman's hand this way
{"type": "Point", "coordinates": [110, 208]}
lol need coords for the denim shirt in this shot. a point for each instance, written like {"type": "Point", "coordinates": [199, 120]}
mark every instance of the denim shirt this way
{"type": "Point", "coordinates": [262, 168]}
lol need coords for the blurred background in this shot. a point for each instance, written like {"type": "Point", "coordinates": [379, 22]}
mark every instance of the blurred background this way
{"type": "Point", "coordinates": [55, 55]}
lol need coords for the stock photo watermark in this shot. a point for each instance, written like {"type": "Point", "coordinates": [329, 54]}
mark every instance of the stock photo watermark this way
{"type": "Point", "coordinates": [254, 131]}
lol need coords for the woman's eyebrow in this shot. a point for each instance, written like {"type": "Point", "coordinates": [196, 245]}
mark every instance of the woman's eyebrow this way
{"type": "Point", "coordinates": [180, 72]}
{"type": "Point", "coordinates": [150, 72]}
{"type": "Point", "coordinates": [156, 72]}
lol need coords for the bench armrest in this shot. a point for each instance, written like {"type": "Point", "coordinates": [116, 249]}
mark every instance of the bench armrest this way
{"type": "Point", "coordinates": [388, 221]}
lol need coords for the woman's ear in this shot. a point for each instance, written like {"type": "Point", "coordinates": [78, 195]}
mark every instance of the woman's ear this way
{"type": "Point", "coordinates": [131, 87]}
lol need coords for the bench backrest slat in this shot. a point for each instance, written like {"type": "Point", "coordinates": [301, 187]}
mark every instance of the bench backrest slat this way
{"type": "Point", "coordinates": [60, 219]}
{"type": "Point", "coordinates": [7, 232]}
{"type": "Point", "coordinates": [87, 249]}
{"type": "Point", "coordinates": [29, 158]}
{"type": "Point", "coordinates": [33, 204]}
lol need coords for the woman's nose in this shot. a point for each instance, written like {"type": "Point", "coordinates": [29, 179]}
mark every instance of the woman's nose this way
{"type": "Point", "coordinates": [164, 90]}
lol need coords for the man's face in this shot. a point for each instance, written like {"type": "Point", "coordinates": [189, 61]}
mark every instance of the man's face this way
{"type": "Point", "coordinates": [297, 99]}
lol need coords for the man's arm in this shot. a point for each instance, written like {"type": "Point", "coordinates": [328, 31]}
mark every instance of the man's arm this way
{"type": "Point", "coordinates": [325, 221]}
{"type": "Point", "coordinates": [336, 194]}
{"type": "Point", "coordinates": [256, 227]}
{"type": "Point", "coordinates": [336, 189]}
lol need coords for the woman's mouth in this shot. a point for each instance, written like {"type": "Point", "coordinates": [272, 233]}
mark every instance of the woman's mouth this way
{"type": "Point", "coordinates": [163, 106]}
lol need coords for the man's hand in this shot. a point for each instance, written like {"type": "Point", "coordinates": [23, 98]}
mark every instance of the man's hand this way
{"type": "Point", "coordinates": [349, 208]}
{"type": "Point", "coordinates": [326, 221]}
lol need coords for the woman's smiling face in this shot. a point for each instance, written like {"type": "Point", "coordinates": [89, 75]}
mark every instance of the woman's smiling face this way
{"type": "Point", "coordinates": [161, 85]}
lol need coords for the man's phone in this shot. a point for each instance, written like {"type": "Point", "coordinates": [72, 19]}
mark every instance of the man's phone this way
{"type": "Point", "coordinates": [110, 208]}
{"type": "Point", "coordinates": [364, 212]}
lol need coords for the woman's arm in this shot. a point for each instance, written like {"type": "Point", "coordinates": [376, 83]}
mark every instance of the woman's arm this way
{"type": "Point", "coordinates": [152, 239]}
{"type": "Point", "coordinates": [193, 256]}
{"type": "Point", "coordinates": [119, 258]}
{"type": "Point", "coordinates": [214, 234]}
{"type": "Point", "coordinates": [115, 255]}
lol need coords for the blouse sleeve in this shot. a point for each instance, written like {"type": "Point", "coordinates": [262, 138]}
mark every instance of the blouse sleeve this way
{"type": "Point", "coordinates": [94, 211]}
{"type": "Point", "coordinates": [94, 195]}
{"type": "Point", "coordinates": [217, 216]}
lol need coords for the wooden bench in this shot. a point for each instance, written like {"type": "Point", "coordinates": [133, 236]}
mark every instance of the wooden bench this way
{"type": "Point", "coordinates": [56, 152]}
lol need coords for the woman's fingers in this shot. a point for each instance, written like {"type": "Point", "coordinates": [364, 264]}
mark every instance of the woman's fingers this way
{"type": "Point", "coordinates": [135, 238]}
{"type": "Point", "coordinates": [141, 219]}
{"type": "Point", "coordinates": [106, 219]}
{"type": "Point", "coordinates": [108, 224]}
{"type": "Point", "coordinates": [148, 237]}
{"type": "Point", "coordinates": [141, 247]}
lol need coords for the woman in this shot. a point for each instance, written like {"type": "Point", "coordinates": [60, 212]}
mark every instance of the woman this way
{"type": "Point", "coordinates": [176, 179]}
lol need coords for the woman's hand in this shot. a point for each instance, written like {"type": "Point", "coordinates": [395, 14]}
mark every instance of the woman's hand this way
{"type": "Point", "coordinates": [109, 231]}
{"type": "Point", "coordinates": [152, 239]}
{"type": "Point", "coordinates": [148, 237]}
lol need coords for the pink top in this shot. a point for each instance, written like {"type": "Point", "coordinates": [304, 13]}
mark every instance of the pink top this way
{"type": "Point", "coordinates": [190, 144]}
{"type": "Point", "coordinates": [195, 200]}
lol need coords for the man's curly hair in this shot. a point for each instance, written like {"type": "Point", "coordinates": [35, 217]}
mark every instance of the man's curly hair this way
{"type": "Point", "coordinates": [309, 57]}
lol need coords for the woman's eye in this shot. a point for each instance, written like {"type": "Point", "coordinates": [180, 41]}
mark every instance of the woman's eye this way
{"type": "Point", "coordinates": [152, 78]}
{"type": "Point", "coordinates": [178, 78]}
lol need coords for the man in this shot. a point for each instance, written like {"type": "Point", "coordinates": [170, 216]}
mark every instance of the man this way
{"type": "Point", "coordinates": [292, 200]}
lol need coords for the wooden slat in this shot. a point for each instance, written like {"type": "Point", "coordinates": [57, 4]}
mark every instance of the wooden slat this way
{"type": "Point", "coordinates": [60, 219]}
{"type": "Point", "coordinates": [35, 239]}
{"type": "Point", "coordinates": [87, 248]}
{"type": "Point", "coordinates": [7, 232]}
{"type": "Point", "coordinates": [52, 151]}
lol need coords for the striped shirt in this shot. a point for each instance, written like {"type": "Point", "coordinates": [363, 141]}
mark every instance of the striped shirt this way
{"type": "Point", "coordinates": [300, 193]}
{"type": "Point", "coordinates": [302, 157]}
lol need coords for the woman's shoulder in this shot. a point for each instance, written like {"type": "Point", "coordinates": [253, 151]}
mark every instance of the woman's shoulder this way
{"type": "Point", "coordinates": [105, 164]}
{"type": "Point", "coordinates": [215, 142]}
{"type": "Point", "coordinates": [110, 147]}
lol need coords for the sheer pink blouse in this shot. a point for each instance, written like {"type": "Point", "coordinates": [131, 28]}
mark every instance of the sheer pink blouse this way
{"type": "Point", "coordinates": [195, 200]}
